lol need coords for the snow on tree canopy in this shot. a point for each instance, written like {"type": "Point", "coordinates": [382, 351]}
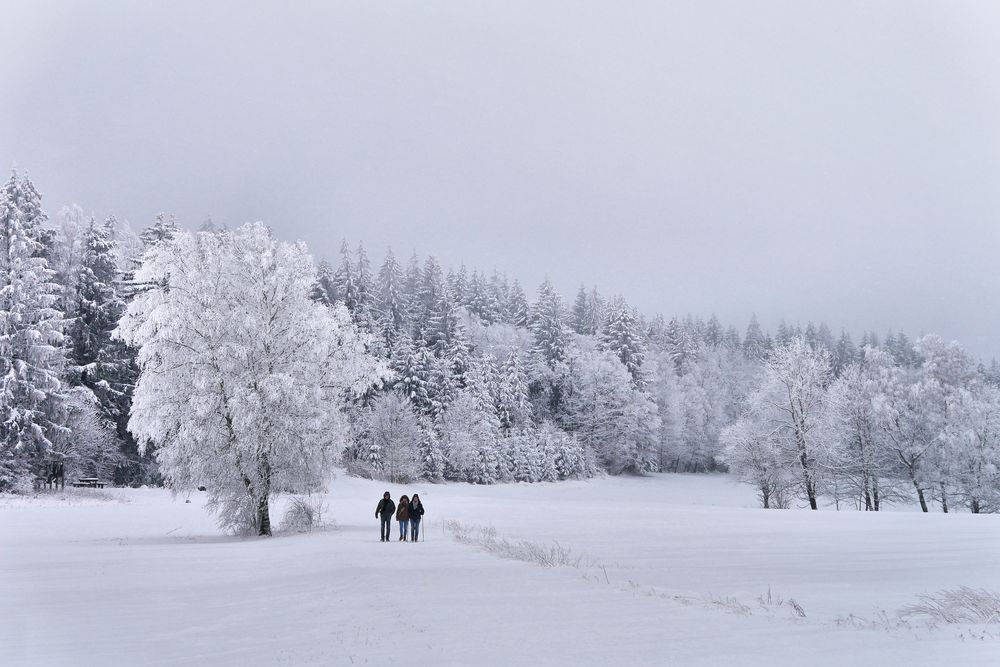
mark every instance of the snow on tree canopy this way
{"type": "Point", "coordinates": [243, 376]}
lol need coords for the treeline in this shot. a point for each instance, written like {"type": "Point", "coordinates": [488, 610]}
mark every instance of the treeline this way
{"type": "Point", "coordinates": [488, 384]}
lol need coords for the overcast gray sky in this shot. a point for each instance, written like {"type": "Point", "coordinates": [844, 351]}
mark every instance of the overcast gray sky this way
{"type": "Point", "coordinates": [806, 160]}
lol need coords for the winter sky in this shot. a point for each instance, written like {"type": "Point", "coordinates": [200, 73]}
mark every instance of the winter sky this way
{"type": "Point", "coordinates": [806, 160]}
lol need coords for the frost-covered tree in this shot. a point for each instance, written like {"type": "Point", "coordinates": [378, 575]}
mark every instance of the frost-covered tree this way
{"type": "Point", "coordinates": [243, 376]}
{"type": "Point", "coordinates": [791, 407]}
{"type": "Point", "coordinates": [516, 309]}
{"type": "Point", "coordinates": [164, 228]}
{"type": "Point", "coordinates": [469, 439]}
{"type": "Point", "coordinates": [611, 417]}
{"type": "Point", "coordinates": [972, 445]}
{"type": "Point", "coordinates": [99, 362]}
{"type": "Point", "coordinates": [31, 337]}
{"type": "Point", "coordinates": [866, 460]}
{"type": "Point", "coordinates": [754, 456]}
{"type": "Point", "coordinates": [548, 324]}
{"type": "Point", "coordinates": [513, 403]}
{"type": "Point", "coordinates": [622, 336]}
{"type": "Point", "coordinates": [391, 440]}
{"type": "Point", "coordinates": [392, 303]}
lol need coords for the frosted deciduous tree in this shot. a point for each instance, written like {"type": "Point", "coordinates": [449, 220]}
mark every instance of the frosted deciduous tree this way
{"type": "Point", "coordinates": [973, 447]}
{"type": "Point", "coordinates": [866, 461]}
{"type": "Point", "coordinates": [243, 376]}
{"type": "Point", "coordinates": [752, 454]}
{"type": "Point", "coordinates": [791, 407]}
{"type": "Point", "coordinates": [390, 446]}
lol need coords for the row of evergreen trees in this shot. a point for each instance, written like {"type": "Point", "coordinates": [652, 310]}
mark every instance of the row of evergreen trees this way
{"type": "Point", "coordinates": [67, 382]}
{"type": "Point", "coordinates": [488, 385]}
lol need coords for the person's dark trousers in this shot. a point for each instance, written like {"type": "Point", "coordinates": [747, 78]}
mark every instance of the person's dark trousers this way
{"type": "Point", "coordinates": [386, 527]}
{"type": "Point", "coordinates": [415, 528]}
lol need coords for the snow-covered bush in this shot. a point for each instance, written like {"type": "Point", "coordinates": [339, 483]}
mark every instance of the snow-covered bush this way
{"type": "Point", "coordinates": [303, 514]}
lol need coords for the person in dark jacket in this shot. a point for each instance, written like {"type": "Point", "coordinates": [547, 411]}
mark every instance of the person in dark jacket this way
{"type": "Point", "coordinates": [403, 517]}
{"type": "Point", "coordinates": [416, 514]}
{"type": "Point", "coordinates": [385, 510]}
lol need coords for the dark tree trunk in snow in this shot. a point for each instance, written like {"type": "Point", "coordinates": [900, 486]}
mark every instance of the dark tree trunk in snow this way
{"type": "Point", "coordinates": [263, 516]}
{"type": "Point", "coordinates": [263, 509]}
{"type": "Point", "coordinates": [920, 496]}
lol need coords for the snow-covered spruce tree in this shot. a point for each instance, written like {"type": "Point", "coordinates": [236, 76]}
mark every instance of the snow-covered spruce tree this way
{"type": "Point", "coordinates": [513, 403]}
{"type": "Point", "coordinates": [516, 308]}
{"type": "Point", "coordinates": [31, 356]}
{"type": "Point", "coordinates": [622, 336]}
{"type": "Point", "coordinates": [102, 364]}
{"type": "Point", "coordinates": [164, 228]}
{"type": "Point", "coordinates": [389, 288]}
{"type": "Point", "coordinates": [243, 376]}
{"type": "Point", "coordinates": [548, 324]}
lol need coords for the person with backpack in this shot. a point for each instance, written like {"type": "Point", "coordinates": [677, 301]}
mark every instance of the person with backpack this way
{"type": "Point", "coordinates": [403, 516]}
{"type": "Point", "coordinates": [416, 514]}
{"type": "Point", "coordinates": [385, 510]}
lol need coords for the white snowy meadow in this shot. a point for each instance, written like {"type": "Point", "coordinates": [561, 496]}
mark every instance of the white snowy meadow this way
{"type": "Point", "coordinates": [662, 569]}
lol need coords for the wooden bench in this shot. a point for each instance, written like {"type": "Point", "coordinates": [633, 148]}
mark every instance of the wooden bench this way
{"type": "Point", "coordinates": [89, 483]}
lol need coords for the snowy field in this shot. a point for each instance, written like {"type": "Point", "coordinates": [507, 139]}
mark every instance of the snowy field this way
{"type": "Point", "coordinates": [671, 570]}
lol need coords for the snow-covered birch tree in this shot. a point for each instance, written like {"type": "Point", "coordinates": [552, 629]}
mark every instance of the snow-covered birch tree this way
{"type": "Point", "coordinates": [243, 377]}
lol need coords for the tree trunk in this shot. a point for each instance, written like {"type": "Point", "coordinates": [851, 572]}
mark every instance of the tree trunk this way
{"type": "Point", "coordinates": [263, 510]}
{"type": "Point", "coordinates": [263, 516]}
{"type": "Point", "coordinates": [875, 496]}
{"type": "Point", "coordinates": [920, 496]}
{"type": "Point", "coordinates": [944, 499]}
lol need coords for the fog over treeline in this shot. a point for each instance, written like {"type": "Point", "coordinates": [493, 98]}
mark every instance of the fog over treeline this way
{"type": "Point", "coordinates": [799, 160]}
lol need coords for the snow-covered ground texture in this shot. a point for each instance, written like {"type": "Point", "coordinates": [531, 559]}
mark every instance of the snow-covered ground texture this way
{"type": "Point", "coordinates": [660, 570]}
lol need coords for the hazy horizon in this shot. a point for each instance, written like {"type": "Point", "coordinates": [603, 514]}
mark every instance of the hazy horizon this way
{"type": "Point", "coordinates": [799, 160]}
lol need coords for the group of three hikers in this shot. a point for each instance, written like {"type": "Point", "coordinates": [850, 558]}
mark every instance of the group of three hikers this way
{"type": "Point", "coordinates": [408, 514]}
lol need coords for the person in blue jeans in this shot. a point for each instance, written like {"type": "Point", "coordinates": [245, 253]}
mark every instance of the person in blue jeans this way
{"type": "Point", "coordinates": [403, 517]}
{"type": "Point", "coordinates": [385, 510]}
{"type": "Point", "coordinates": [416, 514]}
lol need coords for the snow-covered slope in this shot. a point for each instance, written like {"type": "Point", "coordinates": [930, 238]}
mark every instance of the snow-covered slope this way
{"type": "Point", "coordinates": [675, 570]}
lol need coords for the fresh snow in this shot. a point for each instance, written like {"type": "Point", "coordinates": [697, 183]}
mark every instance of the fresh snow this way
{"type": "Point", "coordinates": [136, 576]}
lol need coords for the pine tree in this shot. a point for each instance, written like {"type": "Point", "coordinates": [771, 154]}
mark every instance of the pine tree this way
{"type": "Point", "coordinates": [365, 293]}
{"type": "Point", "coordinates": [513, 403]}
{"type": "Point", "coordinates": [344, 284]}
{"type": "Point", "coordinates": [322, 291]}
{"type": "Point", "coordinates": [102, 363]}
{"type": "Point", "coordinates": [753, 342]}
{"type": "Point", "coordinates": [517, 306]}
{"type": "Point", "coordinates": [548, 324]}
{"type": "Point", "coordinates": [622, 336]}
{"type": "Point", "coordinates": [31, 333]}
{"type": "Point", "coordinates": [579, 318]}
{"type": "Point", "coordinates": [392, 304]}
{"type": "Point", "coordinates": [713, 332]}
{"type": "Point", "coordinates": [164, 228]}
